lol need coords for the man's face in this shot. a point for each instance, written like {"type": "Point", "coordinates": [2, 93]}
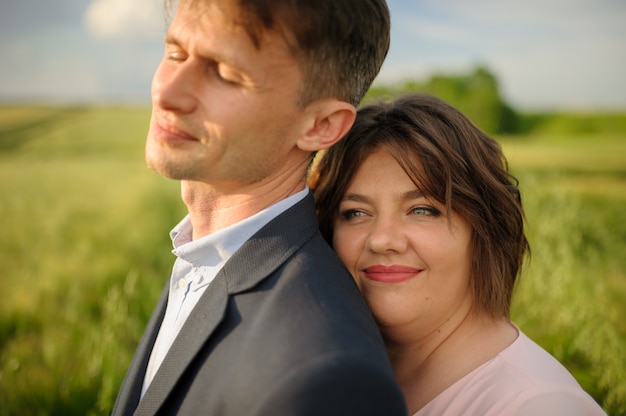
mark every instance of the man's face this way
{"type": "Point", "coordinates": [224, 112]}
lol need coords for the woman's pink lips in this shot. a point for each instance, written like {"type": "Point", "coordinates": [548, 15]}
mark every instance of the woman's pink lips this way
{"type": "Point", "coordinates": [390, 274]}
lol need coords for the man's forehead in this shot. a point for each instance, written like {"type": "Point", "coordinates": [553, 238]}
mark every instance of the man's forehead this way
{"type": "Point", "coordinates": [235, 14]}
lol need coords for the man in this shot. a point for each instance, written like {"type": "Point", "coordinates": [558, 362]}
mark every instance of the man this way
{"type": "Point", "coordinates": [259, 317]}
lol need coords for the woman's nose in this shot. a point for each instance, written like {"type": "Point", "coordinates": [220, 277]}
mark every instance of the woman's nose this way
{"type": "Point", "coordinates": [387, 235]}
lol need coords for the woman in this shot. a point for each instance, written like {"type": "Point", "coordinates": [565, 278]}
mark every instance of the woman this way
{"type": "Point", "coordinates": [419, 205]}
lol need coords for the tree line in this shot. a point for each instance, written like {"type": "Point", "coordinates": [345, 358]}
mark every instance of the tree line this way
{"type": "Point", "coordinates": [478, 96]}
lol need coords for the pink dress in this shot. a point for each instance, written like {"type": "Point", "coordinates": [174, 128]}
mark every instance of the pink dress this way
{"type": "Point", "coordinates": [523, 379]}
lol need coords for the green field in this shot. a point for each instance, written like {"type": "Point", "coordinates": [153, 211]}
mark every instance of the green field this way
{"type": "Point", "coordinates": [84, 253]}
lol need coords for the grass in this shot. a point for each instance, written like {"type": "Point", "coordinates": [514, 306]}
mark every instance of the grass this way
{"type": "Point", "coordinates": [84, 253]}
{"type": "Point", "coordinates": [78, 274]}
{"type": "Point", "coordinates": [570, 299]}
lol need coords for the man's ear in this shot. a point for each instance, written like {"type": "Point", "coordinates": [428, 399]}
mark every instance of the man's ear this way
{"type": "Point", "coordinates": [329, 120]}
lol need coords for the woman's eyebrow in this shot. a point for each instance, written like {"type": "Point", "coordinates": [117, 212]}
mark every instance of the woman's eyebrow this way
{"type": "Point", "coordinates": [355, 197]}
{"type": "Point", "coordinates": [415, 194]}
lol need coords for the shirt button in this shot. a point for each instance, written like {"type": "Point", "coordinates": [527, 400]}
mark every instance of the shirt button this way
{"type": "Point", "coordinates": [182, 283]}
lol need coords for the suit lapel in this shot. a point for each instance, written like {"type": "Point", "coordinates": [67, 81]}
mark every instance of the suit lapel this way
{"type": "Point", "coordinates": [130, 392]}
{"type": "Point", "coordinates": [269, 248]}
{"type": "Point", "coordinates": [202, 321]}
{"type": "Point", "coordinates": [253, 262]}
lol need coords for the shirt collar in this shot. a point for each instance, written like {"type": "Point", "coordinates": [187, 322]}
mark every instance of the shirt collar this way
{"type": "Point", "coordinates": [217, 247]}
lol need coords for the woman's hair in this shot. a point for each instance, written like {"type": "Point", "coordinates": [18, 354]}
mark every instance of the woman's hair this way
{"type": "Point", "coordinates": [451, 161]}
{"type": "Point", "coordinates": [340, 45]}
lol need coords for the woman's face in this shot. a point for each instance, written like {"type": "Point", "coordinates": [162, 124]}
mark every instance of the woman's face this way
{"type": "Point", "coordinates": [409, 259]}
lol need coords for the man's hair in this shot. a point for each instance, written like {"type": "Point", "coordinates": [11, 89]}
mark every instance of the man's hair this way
{"type": "Point", "coordinates": [450, 160]}
{"type": "Point", "coordinates": [340, 45]}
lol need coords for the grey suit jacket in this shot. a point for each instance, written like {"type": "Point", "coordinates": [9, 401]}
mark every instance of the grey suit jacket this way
{"type": "Point", "coordinates": [282, 330]}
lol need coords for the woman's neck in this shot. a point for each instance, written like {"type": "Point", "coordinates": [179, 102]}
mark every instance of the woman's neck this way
{"type": "Point", "coordinates": [426, 364]}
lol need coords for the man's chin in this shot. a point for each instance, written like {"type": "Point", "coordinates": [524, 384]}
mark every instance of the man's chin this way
{"type": "Point", "coordinates": [167, 170]}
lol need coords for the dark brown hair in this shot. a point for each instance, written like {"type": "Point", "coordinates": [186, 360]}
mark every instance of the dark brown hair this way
{"type": "Point", "coordinates": [340, 45]}
{"type": "Point", "coordinates": [450, 160]}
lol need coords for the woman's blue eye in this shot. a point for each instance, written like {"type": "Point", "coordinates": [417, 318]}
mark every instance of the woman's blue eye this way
{"type": "Point", "coordinates": [351, 213]}
{"type": "Point", "coordinates": [426, 211]}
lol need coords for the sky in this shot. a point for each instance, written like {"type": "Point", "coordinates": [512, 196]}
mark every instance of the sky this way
{"type": "Point", "coordinates": [546, 54]}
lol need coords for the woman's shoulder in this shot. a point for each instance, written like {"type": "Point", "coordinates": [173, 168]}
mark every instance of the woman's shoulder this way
{"type": "Point", "coordinates": [523, 379]}
{"type": "Point", "coordinates": [528, 361]}
{"type": "Point", "coordinates": [540, 382]}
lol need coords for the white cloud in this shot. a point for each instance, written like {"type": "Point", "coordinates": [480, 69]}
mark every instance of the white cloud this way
{"type": "Point", "coordinates": [114, 19]}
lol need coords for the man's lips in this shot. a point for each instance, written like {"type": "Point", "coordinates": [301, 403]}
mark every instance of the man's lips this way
{"type": "Point", "coordinates": [170, 133]}
{"type": "Point", "coordinates": [390, 274]}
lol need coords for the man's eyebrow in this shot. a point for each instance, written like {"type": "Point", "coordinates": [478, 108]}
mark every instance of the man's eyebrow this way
{"type": "Point", "coordinates": [171, 39]}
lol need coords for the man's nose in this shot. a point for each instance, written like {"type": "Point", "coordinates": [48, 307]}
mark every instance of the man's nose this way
{"type": "Point", "coordinates": [174, 87]}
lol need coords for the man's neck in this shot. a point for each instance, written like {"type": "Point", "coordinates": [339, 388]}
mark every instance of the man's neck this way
{"type": "Point", "coordinates": [211, 209]}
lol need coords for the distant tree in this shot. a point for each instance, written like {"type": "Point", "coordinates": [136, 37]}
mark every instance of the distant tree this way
{"type": "Point", "coordinates": [476, 95]}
